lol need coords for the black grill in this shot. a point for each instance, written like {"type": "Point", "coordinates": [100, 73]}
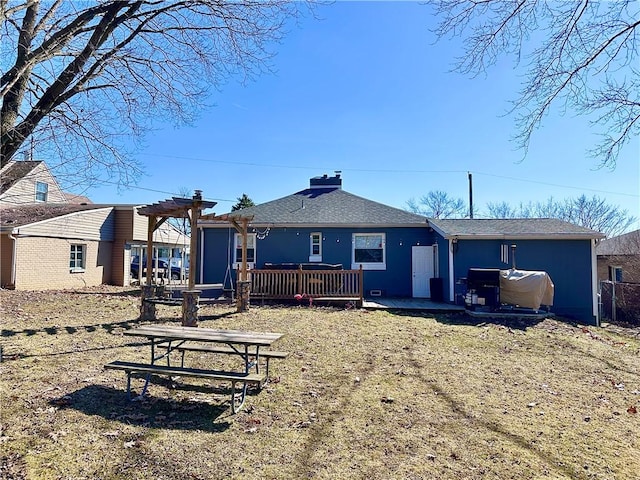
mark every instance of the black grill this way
{"type": "Point", "coordinates": [483, 288]}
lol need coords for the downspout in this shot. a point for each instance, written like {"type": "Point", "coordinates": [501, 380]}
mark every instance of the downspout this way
{"type": "Point", "coordinates": [201, 256]}
{"type": "Point", "coordinates": [594, 282]}
{"type": "Point", "coordinates": [452, 292]}
{"type": "Point", "coordinates": [14, 256]}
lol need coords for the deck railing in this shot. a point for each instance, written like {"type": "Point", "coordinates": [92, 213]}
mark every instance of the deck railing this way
{"type": "Point", "coordinates": [319, 284]}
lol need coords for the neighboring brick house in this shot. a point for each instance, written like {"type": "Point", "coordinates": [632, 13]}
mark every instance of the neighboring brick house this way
{"type": "Point", "coordinates": [50, 239]}
{"type": "Point", "coordinates": [619, 258]}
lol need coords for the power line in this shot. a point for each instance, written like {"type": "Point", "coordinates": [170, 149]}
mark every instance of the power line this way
{"type": "Point", "coordinates": [173, 194]}
{"type": "Point", "coordinates": [557, 185]}
{"type": "Point", "coordinates": [395, 170]}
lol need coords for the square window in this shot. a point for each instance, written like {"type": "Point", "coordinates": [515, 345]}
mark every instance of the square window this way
{"type": "Point", "coordinates": [369, 251]}
{"type": "Point", "coordinates": [77, 258]}
{"type": "Point", "coordinates": [42, 192]}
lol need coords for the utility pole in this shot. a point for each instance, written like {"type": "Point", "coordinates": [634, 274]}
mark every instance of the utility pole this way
{"type": "Point", "coordinates": [470, 195]}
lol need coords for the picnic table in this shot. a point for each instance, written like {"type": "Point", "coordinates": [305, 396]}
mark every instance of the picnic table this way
{"type": "Point", "coordinates": [163, 340]}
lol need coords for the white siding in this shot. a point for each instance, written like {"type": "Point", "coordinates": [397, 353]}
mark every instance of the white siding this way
{"type": "Point", "coordinates": [88, 225]}
{"type": "Point", "coordinates": [24, 190]}
{"type": "Point", "coordinates": [166, 234]}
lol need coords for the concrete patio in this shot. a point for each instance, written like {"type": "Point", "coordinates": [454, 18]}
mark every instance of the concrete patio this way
{"type": "Point", "coordinates": [424, 304]}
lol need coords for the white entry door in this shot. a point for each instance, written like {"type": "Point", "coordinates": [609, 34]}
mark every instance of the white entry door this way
{"type": "Point", "coordinates": [422, 270]}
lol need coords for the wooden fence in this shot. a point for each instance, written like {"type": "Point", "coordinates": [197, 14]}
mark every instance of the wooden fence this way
{"type": "Point", "coordinates": [317, 284]}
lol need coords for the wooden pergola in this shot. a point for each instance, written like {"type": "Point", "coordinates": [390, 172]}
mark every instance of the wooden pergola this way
{"type": "Point", "coordinates": [158, 213]}
{"type": "Point", "coordinates": [241, 224]}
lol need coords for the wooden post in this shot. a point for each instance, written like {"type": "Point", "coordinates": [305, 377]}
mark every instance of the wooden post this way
{"type": "Point", "coordinates": [245, 224]}
{"type": "Point", "coordinates": [150, 229]}
{"type": "Point", "coordinates": [361, 285]}
{"type": "Point", "coordinates": [194, 213]}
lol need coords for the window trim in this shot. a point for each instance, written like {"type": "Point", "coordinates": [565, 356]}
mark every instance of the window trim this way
{"type": "Point", "coordinates": [237, 243]}
{"type": "Point", "coordinates": [73, 258]}
{"type": "Point", "coordinates": [318, 256]}
{"type": "Point", "coordinates": [369, 265]}
{"type": "Point", "coordinates": [613, 269]}
{"type": "Point", "coordinates": [504, 253]}
{"type": "Point", "coordinates": [44, 192]}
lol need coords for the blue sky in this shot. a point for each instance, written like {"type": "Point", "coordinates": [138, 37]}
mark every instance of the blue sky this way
{"type": "Point", "coordinates": [366, 90]}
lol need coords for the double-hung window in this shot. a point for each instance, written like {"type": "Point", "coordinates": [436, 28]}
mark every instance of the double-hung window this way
{"type": "Point", "coordinates": [42, 191]}
{"type": "Point", "coordinates": [77, 258]}
{"type": "Point", "coordinates": [315, 247]}
{"type": "Point", "coordinates": [251, 250]}
{"type": "Point", "coordinates": [369, 251]}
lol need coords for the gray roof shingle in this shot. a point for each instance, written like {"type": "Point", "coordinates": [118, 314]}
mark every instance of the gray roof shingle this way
{"type": "Point", "coordinates": [511, 228]}
{"type": "Point", "coordinates": [12, 217]}
{"type": "Point", "coordinates": [626, 244]}
{"type": "Point", "coordinates": [328, 206]}
{"type": "Point", "coordinates": [15, 171]}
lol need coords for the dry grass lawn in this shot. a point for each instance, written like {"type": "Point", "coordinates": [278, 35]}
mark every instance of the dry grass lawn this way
{"type": "Point", "coordinates": [364, 394]}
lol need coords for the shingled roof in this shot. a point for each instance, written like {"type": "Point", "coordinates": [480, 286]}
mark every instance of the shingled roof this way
{"type": "Point", "coordinates": [523, 228]}
{"type": "Point", "coordinates": [15, 171]}
{"type": "Point", "coordinates": [328, 207]}
{"type": "Point", "coordinates": [626, 244]}
{"type": "Point", "coordinates": [21, 215]}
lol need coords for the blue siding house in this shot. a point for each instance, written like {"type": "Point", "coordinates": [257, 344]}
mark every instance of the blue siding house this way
{"type": "Point", "coordinates": [324, 224]}
{"type": "Point", "coordinates": [400, 252]}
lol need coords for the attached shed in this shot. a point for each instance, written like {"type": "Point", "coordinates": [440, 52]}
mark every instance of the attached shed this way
{"type": "Point", "coordinates": [564, 250]}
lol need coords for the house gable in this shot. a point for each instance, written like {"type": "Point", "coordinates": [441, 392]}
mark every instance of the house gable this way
{"type": "Point", "coordinates": [23, 180]}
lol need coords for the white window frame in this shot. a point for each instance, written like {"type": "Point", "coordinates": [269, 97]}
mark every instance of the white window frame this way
{"type": "Point", "coordinates": [73, 257]}
{"type": "Point", "coordinates": [369, 265]}
{"type": "Point", "coordinates": [237, 244]}
{"type": "Point", "coordinates": [504, 253]}
{"type": "Point", "coordinates": [315, 257]}
{"type": "Point", "coordinates": [613, 269]}
{"type": "Point", "coordinates": [42, 189]}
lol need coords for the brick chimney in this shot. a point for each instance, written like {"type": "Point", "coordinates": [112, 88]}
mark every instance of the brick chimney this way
{"type": "Point", "coordinates": [326, 181]}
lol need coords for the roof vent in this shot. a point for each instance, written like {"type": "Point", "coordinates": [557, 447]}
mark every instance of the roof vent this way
{"type": "Point", "coordinates": [326, 181]}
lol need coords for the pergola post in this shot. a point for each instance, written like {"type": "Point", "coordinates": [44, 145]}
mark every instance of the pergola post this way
{"type": "Point", "coordinates": [158, 213]}
{"type": "Point", "coordinates": [244, 285]}
{"type": "Point", "coordinates": [191, 296]}
{"type": "Point", "coordinates": [241, 225]}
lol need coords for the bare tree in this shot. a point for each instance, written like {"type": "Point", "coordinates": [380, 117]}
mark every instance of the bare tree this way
{"type": "Point", "coordinates": [81, 79]}
{"type": "Point", "coordinates": [594, 213]}
{"type": "Point", "coordinates": [580, 55]}
{"type": "Point", "coordinates": [438, 204]}
{"type": "Point", "coordinates": [506, 210]}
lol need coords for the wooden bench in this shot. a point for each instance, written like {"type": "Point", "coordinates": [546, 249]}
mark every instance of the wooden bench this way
{"type": "Point", "coordinates": [234, 378]}
{"type": "Point", "coordinates": [216, 348]}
